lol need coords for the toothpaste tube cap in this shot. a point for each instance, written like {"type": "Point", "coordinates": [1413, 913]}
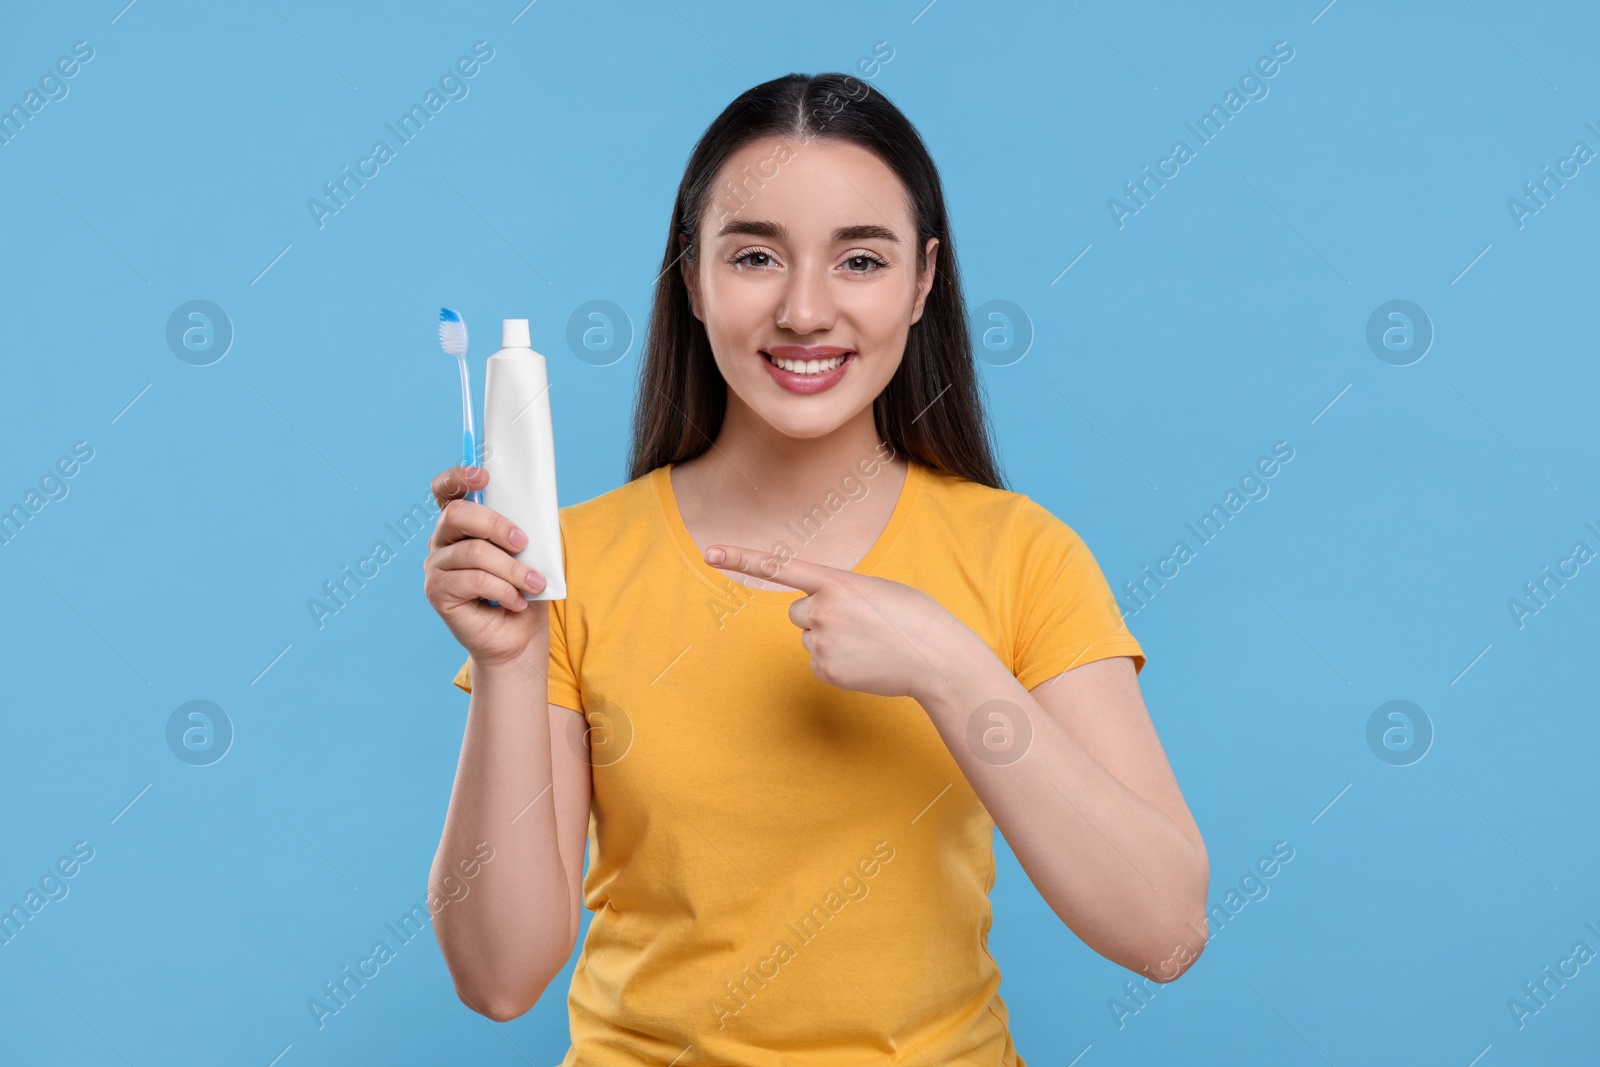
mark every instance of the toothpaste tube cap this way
{"type": "Point", "coordinates": [514, 333]}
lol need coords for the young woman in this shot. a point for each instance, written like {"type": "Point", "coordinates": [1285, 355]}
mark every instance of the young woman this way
{"type": "Point", "coordinates": [812, 654]}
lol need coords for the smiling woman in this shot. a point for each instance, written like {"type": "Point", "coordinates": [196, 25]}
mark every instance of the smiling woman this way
{"type": "Point", "coordinates": [729, 763]}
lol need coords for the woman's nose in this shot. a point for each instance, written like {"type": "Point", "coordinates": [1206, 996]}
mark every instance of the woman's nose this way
{"type": "Point", "coordinates": [807, 303]}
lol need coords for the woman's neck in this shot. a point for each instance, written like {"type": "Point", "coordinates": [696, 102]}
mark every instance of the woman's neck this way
{"type": "Point", "coordinates": [752, 461]}
{"type": "Point", "coordinates": [749, 487]}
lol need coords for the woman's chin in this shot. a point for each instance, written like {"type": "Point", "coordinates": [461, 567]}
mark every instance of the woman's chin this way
{"type": "Point", "coordinates": [782, 418]}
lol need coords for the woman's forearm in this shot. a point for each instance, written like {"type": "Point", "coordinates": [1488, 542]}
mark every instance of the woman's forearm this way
{"type": "Point", "coordinates": [510, 935]}
{"type": "Point", "coordinates": [1111, 864]}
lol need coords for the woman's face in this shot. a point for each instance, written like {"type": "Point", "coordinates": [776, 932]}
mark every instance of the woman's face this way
{"type": "Point", "coordinates": [808, 257]}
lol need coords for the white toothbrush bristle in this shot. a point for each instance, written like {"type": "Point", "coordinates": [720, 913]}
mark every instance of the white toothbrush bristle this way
{"type": "Point", "coordinates": [453, 338]}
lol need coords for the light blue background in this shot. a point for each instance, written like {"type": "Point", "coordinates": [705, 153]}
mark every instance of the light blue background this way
{"type": "Point", "coordinates": [1223, 317]}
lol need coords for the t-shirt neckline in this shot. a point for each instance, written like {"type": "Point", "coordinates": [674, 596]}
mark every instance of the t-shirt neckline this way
{"type": "Point", "coordinates": [661, 479]}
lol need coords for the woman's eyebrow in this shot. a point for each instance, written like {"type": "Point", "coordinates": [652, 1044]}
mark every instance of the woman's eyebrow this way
{"type": "Point", "coordinates": [867, 232]}
{"type": "Point", "coordinates": [773, 231]}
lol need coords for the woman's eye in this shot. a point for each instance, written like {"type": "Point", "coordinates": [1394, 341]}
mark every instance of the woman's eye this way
{"type": "Point", "coordinates": [863, 263]}
{"type": "Point", "coordinates": [749, 258]}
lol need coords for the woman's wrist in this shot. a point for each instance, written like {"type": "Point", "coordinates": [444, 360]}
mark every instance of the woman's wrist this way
{"type": "Point", "coordinates": [523, 670]}
{"type": "Point", "coordinates": [955, 655]}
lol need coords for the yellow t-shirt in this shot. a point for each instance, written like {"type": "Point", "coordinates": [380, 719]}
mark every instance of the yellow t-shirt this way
{"type": "Point", "coordinates": [783, 873]}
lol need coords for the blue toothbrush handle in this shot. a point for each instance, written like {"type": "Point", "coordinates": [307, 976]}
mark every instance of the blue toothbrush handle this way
{"type": "Point", "coordinates": [471, 459]}
{"type": "Point", "coordinates": [470, 452]}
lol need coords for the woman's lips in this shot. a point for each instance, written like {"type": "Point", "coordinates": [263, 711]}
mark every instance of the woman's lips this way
{"type": "Point", "coordinates": [806, 383]}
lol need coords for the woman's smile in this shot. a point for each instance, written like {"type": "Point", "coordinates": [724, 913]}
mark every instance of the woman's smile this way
{"type": "Point", "coordinates": [806, 370]}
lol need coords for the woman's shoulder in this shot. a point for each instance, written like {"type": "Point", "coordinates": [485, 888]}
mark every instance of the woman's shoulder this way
{"type": "Point", "coordinates": [982, 510]}
{"type": "Point", "coordinates": [1002, 524]}
{"type": "Point", "coordinates": [611, 509]}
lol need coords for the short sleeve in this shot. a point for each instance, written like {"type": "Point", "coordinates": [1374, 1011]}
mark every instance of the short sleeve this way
{"type": "Point", "coordinates": [1062, 612]}
{"type": "Point", "coordinates": [563, 679]}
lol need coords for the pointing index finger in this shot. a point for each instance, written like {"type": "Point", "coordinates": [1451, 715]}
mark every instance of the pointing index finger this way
{"type": "Point", "coordinates": [792, 571]}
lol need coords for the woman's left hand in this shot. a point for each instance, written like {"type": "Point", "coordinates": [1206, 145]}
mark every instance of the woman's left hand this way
{"type": "Point", "coordinates": [866, 634]}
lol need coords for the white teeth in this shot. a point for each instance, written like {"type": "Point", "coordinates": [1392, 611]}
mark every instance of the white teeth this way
{"type": "Point", "coordinates": [809, 366]}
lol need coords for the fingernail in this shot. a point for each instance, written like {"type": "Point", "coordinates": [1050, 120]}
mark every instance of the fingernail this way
{"type": "Point", "coordinates": [534, 581]}
{"type": "Point", "coordinates": [473, 472]}
{"type": "Point", "coordinates": [518, 539]}
{"type": "Point", "coordinates": [715, 555]}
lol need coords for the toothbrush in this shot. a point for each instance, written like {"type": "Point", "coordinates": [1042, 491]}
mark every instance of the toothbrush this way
{"type": "Point", "coordinates": [453, 339]}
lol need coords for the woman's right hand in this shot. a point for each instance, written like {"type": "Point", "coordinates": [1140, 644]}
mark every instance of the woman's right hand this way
{"type": "Point", "coordinates": [471, 555]}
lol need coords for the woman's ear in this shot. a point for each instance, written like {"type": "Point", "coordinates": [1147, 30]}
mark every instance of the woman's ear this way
{"type": "Point", "coordinates": [925, 279]}
{"type": "Point", "coordinates": [691, 278]}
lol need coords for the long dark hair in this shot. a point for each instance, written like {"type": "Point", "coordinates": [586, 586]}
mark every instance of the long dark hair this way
{"type": "Point", "coordinates": [931, 410]}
